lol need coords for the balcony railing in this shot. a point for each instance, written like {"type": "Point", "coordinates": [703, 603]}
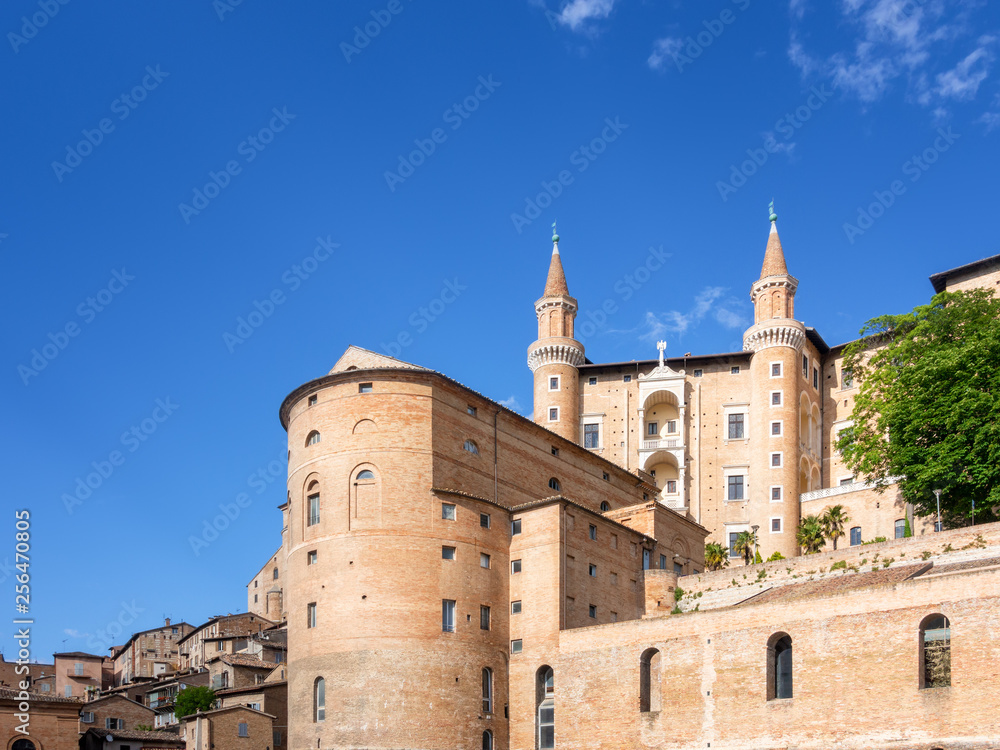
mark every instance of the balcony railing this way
{"type": "Point", "coordinates": [652, 445]}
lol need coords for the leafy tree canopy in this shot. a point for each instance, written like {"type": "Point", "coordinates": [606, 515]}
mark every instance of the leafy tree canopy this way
{"type": "Point", "coordinates": [928, 409]}
{"type": "Point", "coordinates": [193, 699]}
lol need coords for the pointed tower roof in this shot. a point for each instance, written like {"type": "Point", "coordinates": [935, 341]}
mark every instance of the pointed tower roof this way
{"type": "Point", "coordinates": [774, 256]}
{"type": "Point", "coordinates": [555, 284]}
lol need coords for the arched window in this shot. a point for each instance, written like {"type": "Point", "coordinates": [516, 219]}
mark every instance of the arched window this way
{"type": "Point", "coordinates": [366, 474]}
{"type": "Point", "coordinates": [554, 484]}
{"type": "Point", "coordinates": [487, 690]}
{"type": "Point", "coordinates": [471, 447]}
{"type": "Point", "coordinates": [779, 667]}
{"type": "Point", "coordinates": [319, 699]}
{"type": "Point", "coordinates": [605, 506]}
{"type": "Point", "coordinates": [312, 438]}
{"type": "Point", "coordinates": [487, 740]}
{"type": "Point", "coordinates": [935, 652]}
{"type": "Point", "coordinates": [649, 681]}
{"type": "Point", "coordinates": [23, 744]}
{"type": "Point", "coordinates": [313, 500]}
{"type": "Point", "coordinates": [545, 723]}
{"type": "Point", "coordinates": [274, 574]}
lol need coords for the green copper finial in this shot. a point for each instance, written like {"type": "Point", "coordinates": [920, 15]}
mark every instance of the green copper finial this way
{"type": "Point", "coordinates": [773, 217]}
{"type": "Point", "coordinates": [555, 235]}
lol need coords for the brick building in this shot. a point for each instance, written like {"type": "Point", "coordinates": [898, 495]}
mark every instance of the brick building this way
{"type": "Point", "coordinates": [115, 712]}
{"type": "Point", "coordinates": [264, 590]}
{"type": "Point", "coordinates": [233, 728]}
{"type": "Point", "coordinates": [81, 675]}
{"type": "Point", "coordinates": [217, 636]}
{"type": "Point", "coordinates": [150, 653]}
{"type": "Point", "coordinates": [52, 722]}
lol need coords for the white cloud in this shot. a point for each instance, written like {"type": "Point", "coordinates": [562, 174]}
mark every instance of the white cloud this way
{"type": "Point", "coordinates": [962, 82]}
{"type": "Point", "coordinates": [577, 13]}
{"type": "Point", "coordinates": [990, 119]}
{"type": "Point", "coordinates": [797, 8]}
{"type": "Point", "coordinates": [75, 633]}
{"type": "Point", "coordinates": [711, 303]}
{"type": "Point", "coordinates": [664, 48]}
{"type": "Point", "coordinates": [513, 404]}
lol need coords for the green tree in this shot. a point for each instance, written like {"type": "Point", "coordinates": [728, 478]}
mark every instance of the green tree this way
{"type": "Point", "coordinates": [716, 556]}
{"type": "Point", "coordinates": [928, 410]}
{"type": "Point", "coordinates": [193, 699]}
{"type": "Point", "coordinates": [809, 534]}
{"type": "Point", "coordinates": [746, 542]}
{"type": "Point", "coordinates": [833, 520]}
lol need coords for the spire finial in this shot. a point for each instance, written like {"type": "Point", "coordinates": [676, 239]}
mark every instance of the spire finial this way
{"type": "Point", "coordinates": [555, 235]}
{"type": "Point", "coordinates": [773, 217]}
{"type": "Point", "coordinates": [662, 346]}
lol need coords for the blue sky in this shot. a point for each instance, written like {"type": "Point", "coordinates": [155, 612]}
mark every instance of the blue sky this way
{"type": "Point", "coordinates": [330, 173]}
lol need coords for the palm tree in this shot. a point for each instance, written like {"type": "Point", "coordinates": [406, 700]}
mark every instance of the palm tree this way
{"type": "Point", "coordinates": [833, 520]}
{"type": "Point", "coordinates": [746, 543]}
{"type": "Point", "coordinates": [809, 535]}
{"type": "Point", "coordinates": [716, 556]}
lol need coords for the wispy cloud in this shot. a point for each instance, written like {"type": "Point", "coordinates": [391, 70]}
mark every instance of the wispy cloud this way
{"type": "Point", "coordinates": [664, 50]}
{"type": "Point", "coordinates": [962, 82]}
{"type": "Point", "coordinates": [712, 303]}
{"type": "Point", "coordinates": [513, 404]}
{"type": "Point", "coordinates": [75, 633]}
{"type": "Point", "coordinates": [578, 13]}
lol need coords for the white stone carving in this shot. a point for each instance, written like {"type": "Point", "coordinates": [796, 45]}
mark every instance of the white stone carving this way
{"type": "Point", "coordinates": [779, 335]}
{"type": "Point", "coordinates": [555, 354]}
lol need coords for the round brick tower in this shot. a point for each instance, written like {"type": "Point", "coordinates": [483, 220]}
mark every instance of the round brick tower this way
{"type": "Point", "coordinates": [555, 355]}
{"type": "Point", "coordinates": [777, 341]}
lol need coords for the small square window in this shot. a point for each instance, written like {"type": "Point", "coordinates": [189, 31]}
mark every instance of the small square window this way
{"type": "Point", "coordinates": [311, 558]}
{"type": "Point", "coordinates": [775, 525]}
{"type": "Point", "coordinates": [593, 531]}
{"type": "Point", "coordinates": [484, 520]}
{"type": "Point", "coordinates": [776, 369]}
{"type": "Point", "coordinates": [775, 460]}
{"type": "Point", "coordinates": [515, 566]}
{"type": "Point", "coordinates": [776, 398]}
{"type": "Point", "coordinates": [671, 426]}
{"type": "Point", "coordinates": [555, 451]}
{"type": "Point", "coordinates": [448, 511]}
{"type": "Point", "coordinates": [592, 610]}
{"type": "Point", "coordinates": [364, 387]}
{"type": "Point", "coordinates": [554, 414]}
{"type": "Point", "coordinates": [679, 568]}
{"type": "Point", "coordinates": [775, 428]}
{"type": "Point", "coordinates": [699, 373]}
{"type": "Point", "coordinates": [515, 607]}
{"type": "Point", "coordinates": [515, 646]}
{"type": "Point", "coordinates": [734, 370]}
{"type": "Point", "coordinates": [593, 381]}
{"type": "Point", "coordinates": [592, 569]}
{"type": "Point", "coordinates": [312, 400]}
{"type": "Point", "coordinates": [607, 477]}
{"type": "Point", "coordinates": [471, 410]}
{"type": "Point", "coordinates": [447, 553]}
{"type": "Point", "coordinates": [671, 487]}
{"type": "Point", "coordinates": [554, 383]}
{"type": "Point", "coordinates": [627, 379]}
{"type": "Point", "coordinates": [776, 494]}
{"type": "Point", "coordinates": [515, 527]}
{"type": "Point", "coordinates": [653, 428]}
{"type": "Point", "coordinates": [484, 560]}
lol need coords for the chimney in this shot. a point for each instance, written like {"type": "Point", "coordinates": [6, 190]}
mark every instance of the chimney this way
{"type": "Point", "coordinates": [167, 623]}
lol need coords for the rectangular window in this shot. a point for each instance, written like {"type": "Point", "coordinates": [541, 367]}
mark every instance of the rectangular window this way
{"type": "Point", "coordinates": [733, 535]}
{"type": "Point", "coordinates": [593, 532]}
{"type": "Point", "coordinates": [515, 607]}
{"type": "Point", "coordinates": [78, 668]}
{"type": "Point", "coordinates": [484, 560]}
{"type": "Point", "coordinates": [775, 460]}
{"type": "Point", "coordinates": [276, 737]}
{"type": "Point", "coordinates": [775, 525]}
{"type": "Point", "coordinates": [653, 428]}
{"type": "Point", "coordinates": [592, 569]}
{"type": "Point", "coordinates": [484, 520]}
{"type": "Point", "coordinates": [311, 557]}
{"type": "Point", "coordinates": [313, 509]}
{"type": "Point", "coordinates": [471, 410]}
{"type": "Point", "coordinates": [815, 378]}
{"type": "Point", "coordinates": [776, 369]}
{"type": "Point", "coordinates": [614, 579]}
{"type": "Point", "coordinates": [846, 480]}
{"type": "Point", "coordinates": [734, 370]}
{"type": "Point", "coordinates": [776, 494]}
{"type": "Point", "coordinates": [592, 610]}
{"type": "Point", "coordinates": [606, 476]}
{"type": "Point", "coordinates": [554, 414]}
{"type": "Point", "coordinates": [484, 617]}
{"type": "Point", "coordinates": [515, 646]}
{"type": "Point", "coordinates": [775, 428]}
{"type": "Point", "coordinates": [627, 379]}
{"type": "Point", "coordinates": [591, 436]}
{"type": "Point", "coordinates": [698, 373]}
{"type": "Point", "coordinates": [855, 536]}
{"type": "Point", "coordinates": [671, 426]}
{"type": "Point", "coordinates": [775, 398]}
{"type": "Point", "coordinates": [736, 424]}
{"type": "Point", "coordinates": [555, 451]}
{"type": "Point", "coordinates": [847, 379]}
{"type": "Point", "coordinates": [515, 566]}
{"type": "Point", "coordinates": [671, 486]}
{"type": "Point", "coordinates": [900, 528]}
{"type": "Point", "coordinates": [646, 559]}
{"type": "Point", "coordinates": [663, 562]}
{"type": "Point", "coordinates": [447, 553]}
{"type": "Point", "coordinates": [244, 729]}
{"type": "Point", "coordinates": [515, 527]}
{"type": "Point", "coordinates": [805, 366]}
{"type": "Point", "coordinates": [554, 383]}
{"type": "Point", "coordinates": [448, 615]}
{"type": "Point", "coordinates": [311, 615]}
{"type": "Point", "coordinates": [593, 381]}
{"type": "Point", "coordinates": [679, 568]}
{"type": "Point", "coordinates": [734, 485]}
{"type": "Point", "coordinates": [364, 387]}
{"type": "Point", "coordinates": [448, 511]}
{"type": "Point", "coordinates": [312, 401]}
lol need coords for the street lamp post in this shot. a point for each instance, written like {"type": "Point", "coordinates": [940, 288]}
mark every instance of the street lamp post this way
{"type": "Point", "coordinates": [937, 494]}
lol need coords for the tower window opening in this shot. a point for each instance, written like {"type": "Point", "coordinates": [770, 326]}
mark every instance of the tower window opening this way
{"type": "Point", "coordinates": [935, 652]}
{"type": "Point", "coordinates": [779, 667]}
